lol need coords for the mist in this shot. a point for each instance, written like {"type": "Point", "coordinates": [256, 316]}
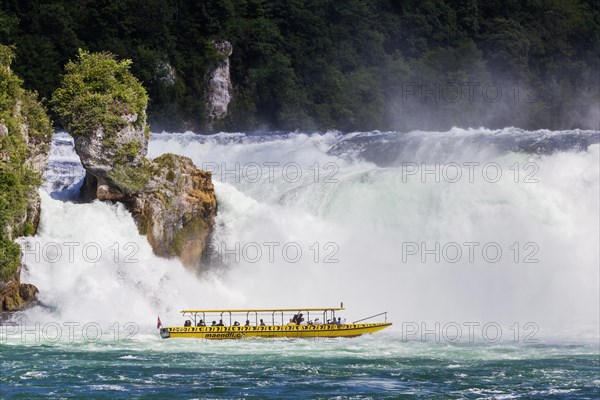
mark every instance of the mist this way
{"type": "Point", "coordinates": [356, 230]}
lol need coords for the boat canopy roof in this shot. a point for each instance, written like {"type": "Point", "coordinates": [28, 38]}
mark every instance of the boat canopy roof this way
{"type": "Point", "coordinates": [263, 310]}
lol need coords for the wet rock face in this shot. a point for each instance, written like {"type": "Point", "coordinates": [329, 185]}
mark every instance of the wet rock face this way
{"type": "Point", "coordinates": [176, 211]}
{"type": "Point", "coordinates": [220, 88]}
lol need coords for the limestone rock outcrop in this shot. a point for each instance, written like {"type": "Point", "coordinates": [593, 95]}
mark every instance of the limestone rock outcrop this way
{"type": "Point", "coordinates": [116, 161]}
{"type": "Point", "coordinates": [172, 202]}
{"type": "Point", "coordinates": [220, 88]}
{"type": "Point", "coordinates": [176, 209]}
{"type": "Point", "coordinates": [100, 154]}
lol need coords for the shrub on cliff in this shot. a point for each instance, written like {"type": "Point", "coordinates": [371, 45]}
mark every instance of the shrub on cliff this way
{"type": "Point", "coordinates": [99, 91]}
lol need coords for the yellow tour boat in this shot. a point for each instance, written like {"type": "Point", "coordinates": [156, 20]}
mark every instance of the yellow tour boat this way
{"type": "Point", "coordinates": [270, 323]}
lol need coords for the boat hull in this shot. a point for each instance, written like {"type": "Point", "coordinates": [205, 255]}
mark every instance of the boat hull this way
{"type": "Point", "coordinates": [285, 331]}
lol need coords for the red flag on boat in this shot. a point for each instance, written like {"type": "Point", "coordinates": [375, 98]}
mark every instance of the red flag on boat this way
{"type": "Point", "coordinates": [158, 323]}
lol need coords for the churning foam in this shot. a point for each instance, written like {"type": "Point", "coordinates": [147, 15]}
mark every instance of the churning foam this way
{"type": "Point", "coordinates": [381, 223]}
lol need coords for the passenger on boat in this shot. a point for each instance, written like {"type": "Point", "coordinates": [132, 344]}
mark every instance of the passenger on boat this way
{"type": "Point", "coordinates": [262, 323]}
{"type": "Point", "coordinates": [317, 321]}
{"type": "Point", "coordinates": [247, 323]}
{"type": "Point", "coordinates": [187, 323]}
{"type": "Point", "coordinates": [220, 323]}
{"type": "Point", "coordinates": [339, 321]}
{"type": "Point", "coordinates": [214, 323]}
{"type": "Point", "coordinates": [236, 323]}
{"type": "Point", "coordinates": [201, 323]}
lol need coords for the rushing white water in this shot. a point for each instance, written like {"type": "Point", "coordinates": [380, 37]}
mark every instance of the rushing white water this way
{"type": "Point", "coordinates": [368, 214]}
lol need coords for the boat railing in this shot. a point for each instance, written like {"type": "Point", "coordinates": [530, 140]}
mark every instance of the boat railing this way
{"type": "Point", "coordinates": [372, 316]}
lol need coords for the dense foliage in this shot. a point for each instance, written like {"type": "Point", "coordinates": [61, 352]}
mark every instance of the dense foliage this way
{"type": "Point", "coordinates": [355, 64]}
{"type": "Point", "coordinates": [97, 91]}
{"type": "Point", "coordinates": [25, 130]}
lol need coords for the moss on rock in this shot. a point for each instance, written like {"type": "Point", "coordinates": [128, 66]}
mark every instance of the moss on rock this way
{"type": "Point", "coordinates": [189, 241]}
{"type": "Point", "coordinates": [131, 178]}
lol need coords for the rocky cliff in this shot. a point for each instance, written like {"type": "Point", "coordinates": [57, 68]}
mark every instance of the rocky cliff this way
{"type": "Point", "coordinates": [25, 135]}
{"type": "Point", "coordinates": [220, 88]}
{"type": "Point", "coordinates": [104, 108]}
